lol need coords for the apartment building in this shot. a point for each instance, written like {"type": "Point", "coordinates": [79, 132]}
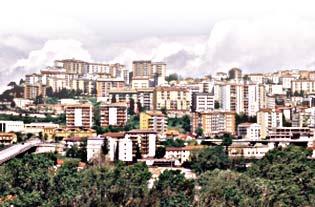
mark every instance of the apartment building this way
{"type": "Point", "coordinates": [148, 69]}
{"type": "Point", "coordinates": [232, 97]}
{"type": "Point", "coordinates": [153, 120]}
{"type": "Point", "coordinates": [268, 119]}
{"type": "Point", "coordinates": [114, 114]}
{"type": "Point", "coordinates": [235, 73]}
{"type": "Point", "coordinates": [126, 146]}
{"type": "Point", "coordinates": [94, 147]}
{"type": "Point", "coordinates": [248, 131]}
{"type": "Point", "coordinates": [214, 122]}
{"type": "Point", "coordinates": [143, 141]}
{"type": "Point", "coordinates": [202, 102]}
{"type": "Point", "coordinates": [302, 86]}
{"type": "Point", "coordinates": [73, 66]}
{"type": "Point", "coordinates": [33, 86]}
{"type": "Point", "coordinates": [254, 98]}
{"type": "Point", "coordinates": [174, 99]}
{"type": "Point", "coordinates": [103, 85]}
{"type": "Point", "coordinates": [79, 116]}
{"type": "Point", "coordinates": [257, 78]}
{"type": "Point", "coordinates": [144, 96]}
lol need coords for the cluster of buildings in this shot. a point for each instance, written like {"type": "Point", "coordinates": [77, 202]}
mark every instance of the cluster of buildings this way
{"type": "Point", "coordinates": [252, 107]}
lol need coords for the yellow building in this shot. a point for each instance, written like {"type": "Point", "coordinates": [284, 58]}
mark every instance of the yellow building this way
{"type": "Point", "coordinates": [65, 133]}
{"type": "Point", "coordinates": [153, 120]}
{"type": "Point", "coordinates": [174, 99]}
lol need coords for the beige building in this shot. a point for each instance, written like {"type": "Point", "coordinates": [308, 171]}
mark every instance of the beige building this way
{"type": "Point", "coordinates": [79, 116]}
{"type": "Point", "coordinates": [268, 119]}
{"type": "Point", "coordinates": [33, 86]}
{"type": "Point", "coordinates": [104, 85]}
{"type": "Point", "coordinates": [114, 114]}
{"type": "Point", "coordinates": [73, 66]}
{"type": "Point", "coordinates": [174, 99]}
{"type": "Point", "coordinates": [214, 122]}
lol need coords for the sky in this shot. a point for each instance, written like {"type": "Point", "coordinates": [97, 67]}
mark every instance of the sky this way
{"type": "Point", "coordinates": [193, 37]}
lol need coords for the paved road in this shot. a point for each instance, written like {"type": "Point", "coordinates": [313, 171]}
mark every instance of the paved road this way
{"type": "Point", "coordinates": [17, 149]}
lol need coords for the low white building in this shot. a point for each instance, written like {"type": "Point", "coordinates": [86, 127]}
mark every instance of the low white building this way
{"type": "Point", "coordinates": [180, 154]}
{"type": "Point", "coordinates": [257, 151]}
{"type": "Point", "coordinates": [140, 83]}
{"type": "Point", "coordinates": [22, 102]}
{"type": "Point", "coordinates": [249, 131]}
{"type": "Point", "coordinates": [11, 126]}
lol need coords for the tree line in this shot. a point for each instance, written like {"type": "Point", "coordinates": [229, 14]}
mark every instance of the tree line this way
{"type": "Point", "coordinates": [284, 177]}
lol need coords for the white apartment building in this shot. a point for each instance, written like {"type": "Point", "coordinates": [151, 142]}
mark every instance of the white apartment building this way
{"type": "Point", "coordinates": [275, 89]}
{"type": "Point", "coordinates": [202, 102]}
{"type": "Point", "coordinates": [254, 98]}
{"type": "Point", "coordinates": [286, 81]}
{"type": "Point", "coordinates": [94, 147]}
{"type": "Point", "coordinates": [11, 126]}
{"type": "Point", "coordinates": [232, 98]}
{"type": "Point", "coordinates": [125, 149]}
{"type": "Point", "coordinates": [307, 86]}
{"type": "Point", "coordinates": [249, 131]}
{"type": "Point", "coordinates": [256, 78]}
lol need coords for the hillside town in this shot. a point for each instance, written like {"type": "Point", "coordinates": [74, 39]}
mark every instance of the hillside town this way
{"type": "Point", "coordinates": [135, 112]}
{"type": "Point", "coordinates": [79, 118]}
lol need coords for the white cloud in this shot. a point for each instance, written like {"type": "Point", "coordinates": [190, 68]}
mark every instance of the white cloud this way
{"type": "Point", "coordinates": [260, 43]}
{"type": "Point", "coordinates": [38, 59]}
{"type": "Point", "coordinates": [52, 50]}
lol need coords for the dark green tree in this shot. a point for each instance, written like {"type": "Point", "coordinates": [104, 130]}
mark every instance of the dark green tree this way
{"type": "Point", "coordinates": [210, 158]}
{"type": "Point", "coordinates": [172, 189]}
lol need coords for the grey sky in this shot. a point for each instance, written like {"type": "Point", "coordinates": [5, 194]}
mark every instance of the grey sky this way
{"type": "Point", "coordinates": [194, 37]}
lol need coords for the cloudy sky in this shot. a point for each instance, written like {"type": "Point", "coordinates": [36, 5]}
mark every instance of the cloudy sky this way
{"type": "Point", "coordinates": [194, 37]}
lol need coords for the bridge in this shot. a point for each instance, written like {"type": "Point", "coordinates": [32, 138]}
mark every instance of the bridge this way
{"type": "Point", "coordinates": [263, 141]}
{"type": "Point", "coordinates": [17, 149]}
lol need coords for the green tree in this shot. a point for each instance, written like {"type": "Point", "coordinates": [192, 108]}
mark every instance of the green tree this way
{"type": "Point", "coordinates": [210, 158]}
{"type": "Point", "coordinates": [77, 151]}
{"type": "Point", "coordinates": [291, 173]}
{"type": "Point", "coordinates": [227, 141]}
{"type": "Point", "coordinates": [199, 132]}
{"type": "Point", "coordinates": [172, 189]}
{"type": "Point", "coordinates": [105, 147]}
{"type": "Point", "coordinates": [164, 110]}
{"type": "Point", "coordinates": [160, 152]}
{"type": "Point", "coordinates": [131, 108]}
{"type": "Point", "coordinates": [174, 143]}
{"type": "Point", "coordinates": [227, 188]}
{"type": "Point", "coordinates": [216, 105]}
